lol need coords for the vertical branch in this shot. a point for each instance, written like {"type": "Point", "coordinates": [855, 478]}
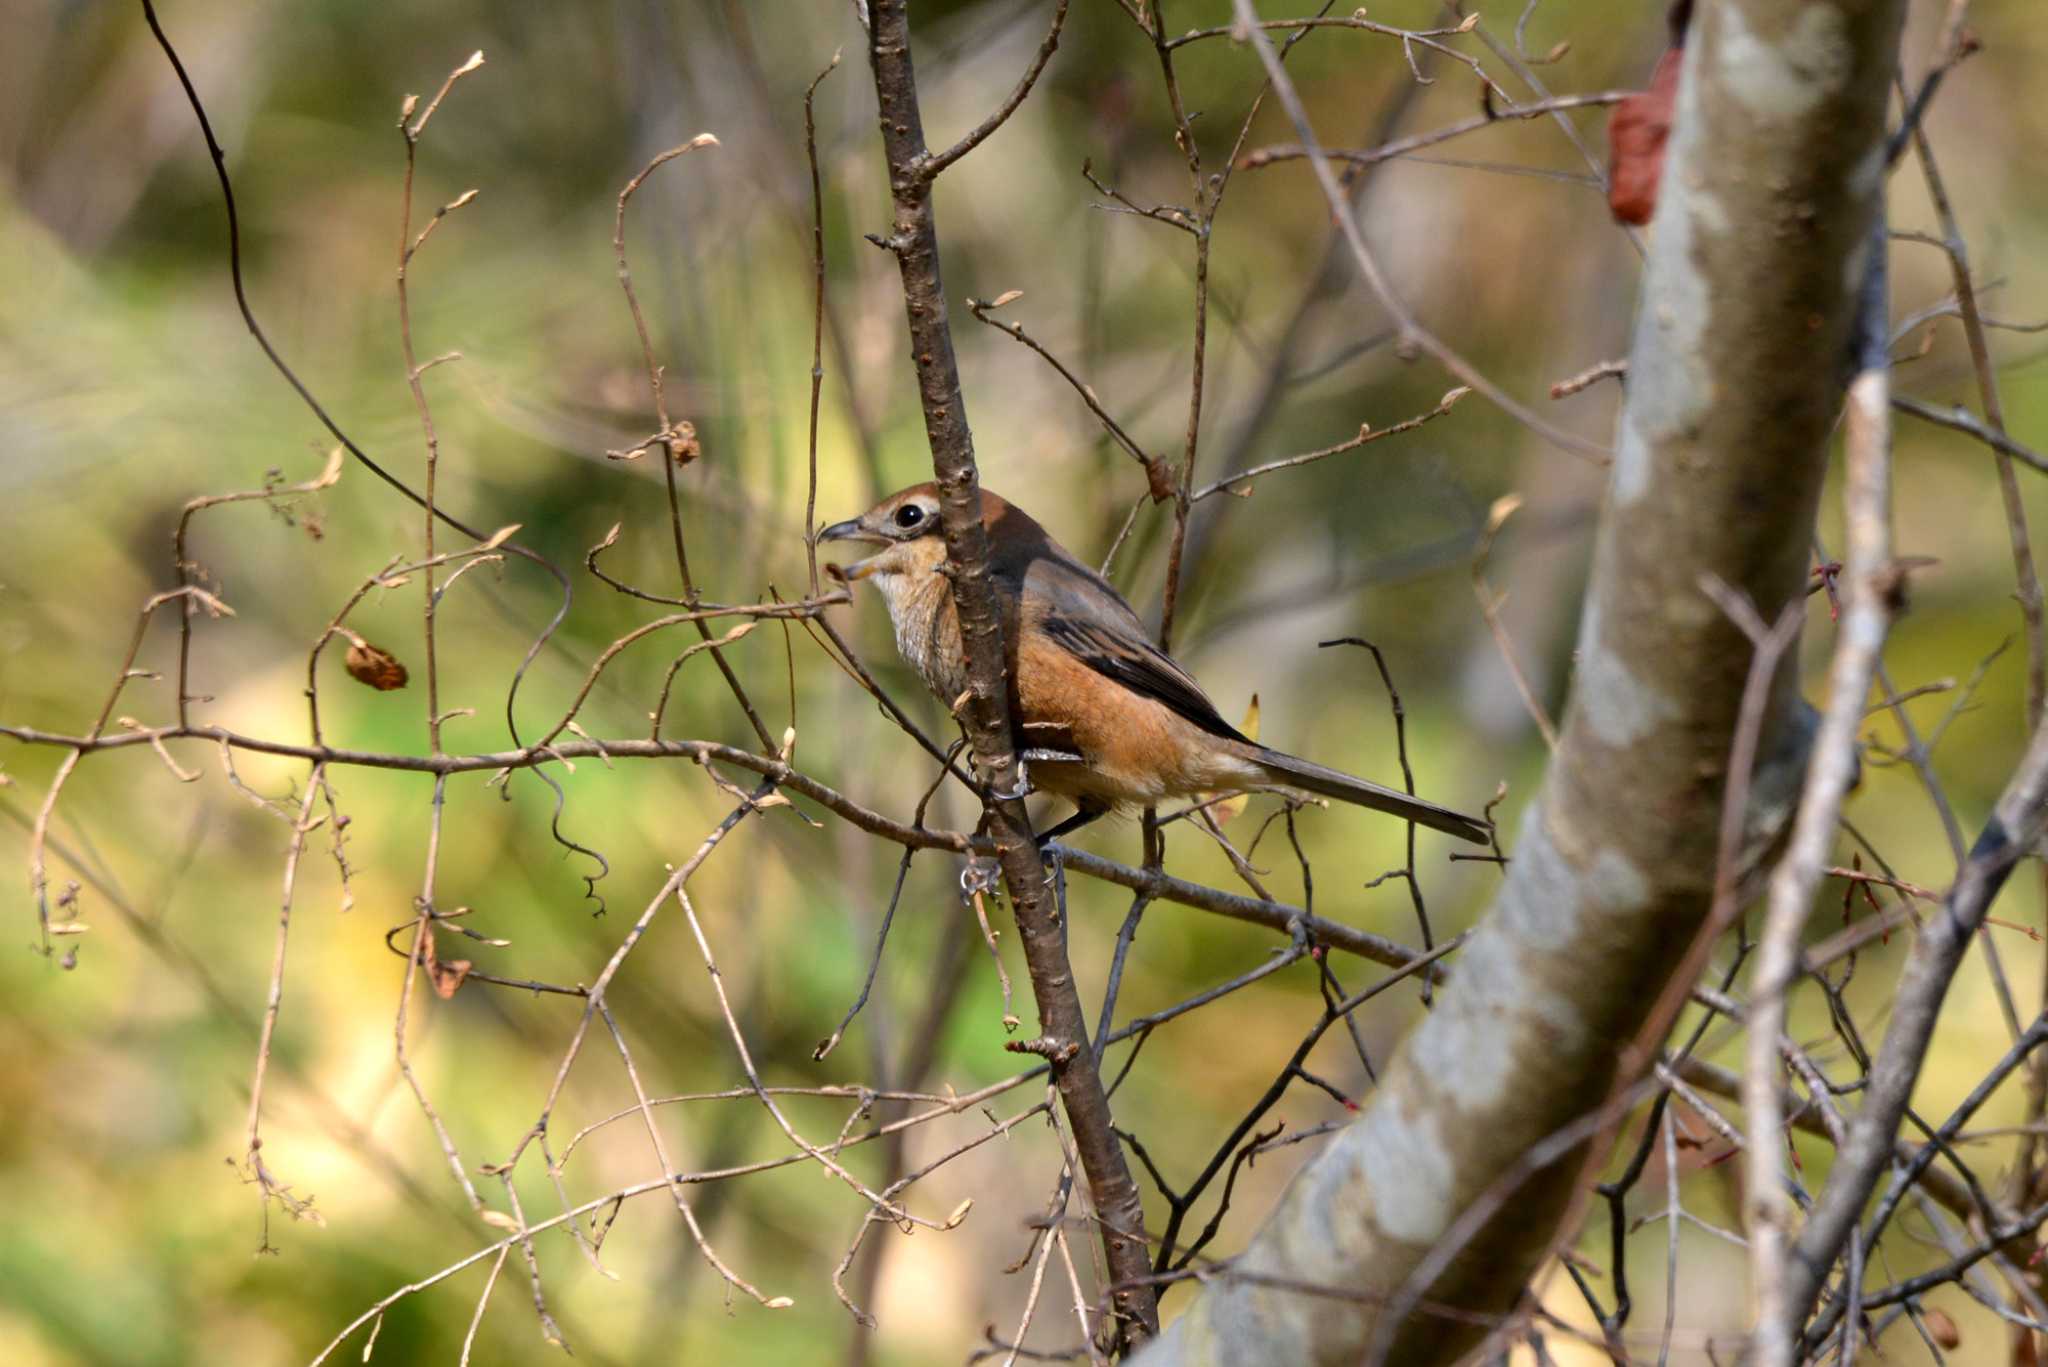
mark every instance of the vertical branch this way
{"type": "Point", "coordinates": [1407, 871]}
{"type": "Point", "coordinates": [913, 240]}
{"type": "Point", "coordinates": [408, 247]}
{"type": "Point", "coordinates": [674, 444]}
{"type": "Point", "coordinates": [1326, 286]}
{"type": "Point", "coordinates": [2027, 581]}
{"type": "Point", "coordinates": [1871, 586]}
{"type": "Point", "coordinates": [817, 318]}
{"type": "Point", "coordinates": [267, 1185]}
{"type": "Point", "coordinates": [416, 955]}
{"type": "Point", "coordinates": [1207, 198]}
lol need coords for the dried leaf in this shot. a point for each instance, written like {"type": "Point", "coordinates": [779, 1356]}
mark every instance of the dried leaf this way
{"type": "Point", "coordinates": [498, 1219]}
{"type": "Point", "coordinates": [779, 1302]}
{"type": "Point", "coordinates": [1158, 479]}
{"type": "Point", "coordinates": [1941, 1328]}
{"type": "Point", "coordinates": [683, 446]}
{"type": "Point", "coordinates": [376, 667]}
{"type": "Point", "coordinates": [447, 975]}
{"type": "Point", "coordinates": [1006, 297]}
{"type": "Point", "coordinates": [1636, 134]}
{"type": "Point", "coordinates": [500, 536]}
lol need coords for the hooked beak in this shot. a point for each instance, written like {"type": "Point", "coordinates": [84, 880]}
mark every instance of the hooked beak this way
{"type": "Point", "coordinates": [851, 530]}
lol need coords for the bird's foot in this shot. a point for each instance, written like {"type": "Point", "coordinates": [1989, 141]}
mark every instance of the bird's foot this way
{"type": "Point", "coordinates": [980, 878]}
{"type": "Point", "coordinates": [1024, 788]}
{"type": "Point", "coordinates": [1028, 757]}
{"type": "Point", "coordinates": [1053, 855]}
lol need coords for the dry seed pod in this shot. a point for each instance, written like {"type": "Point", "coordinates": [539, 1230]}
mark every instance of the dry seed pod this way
{"type": "Point", "coordinates": [683, 446]}
{"type": "Point", "coordinates": [447, 975]}
{"type": "Point", "coordinates": [380, 669]}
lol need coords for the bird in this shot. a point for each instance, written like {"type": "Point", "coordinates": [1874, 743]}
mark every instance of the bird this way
{"type": "Point", "coordinates": [1100, 715]}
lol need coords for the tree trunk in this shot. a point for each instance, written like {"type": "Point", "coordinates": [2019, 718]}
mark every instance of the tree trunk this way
{"type": "Point", "coordinates": [1741, 349]}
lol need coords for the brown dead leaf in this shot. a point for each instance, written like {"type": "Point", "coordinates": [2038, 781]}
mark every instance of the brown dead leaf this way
{"type": "Point", "coordinates": [445, 974]}
{"type": "Point", "coordinates": [376, 667]}
{"type": "Point", "coordinates": [1158, 479]}
{"type": "Point", "coordinates": [683, 446]}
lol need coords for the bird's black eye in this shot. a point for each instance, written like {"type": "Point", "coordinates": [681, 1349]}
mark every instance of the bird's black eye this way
{"type": "Point", "coordinates": [909, 515]}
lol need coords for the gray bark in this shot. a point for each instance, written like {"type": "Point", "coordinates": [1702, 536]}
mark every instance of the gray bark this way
{"type": "Point", "coordinates": [1741, 348]}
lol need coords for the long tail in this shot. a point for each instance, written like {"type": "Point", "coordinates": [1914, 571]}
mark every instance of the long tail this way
{"type": "Point", "coordinates": [1290, 772]}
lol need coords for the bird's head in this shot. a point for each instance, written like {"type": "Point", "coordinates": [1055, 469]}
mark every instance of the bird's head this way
{"type": "Point", "coordinates": [906, 526]}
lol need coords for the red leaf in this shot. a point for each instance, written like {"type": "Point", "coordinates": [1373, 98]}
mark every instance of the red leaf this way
{"type": "Point", "coordinates": [1635, 139]}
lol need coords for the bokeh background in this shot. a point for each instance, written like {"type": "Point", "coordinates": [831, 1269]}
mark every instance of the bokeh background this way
{"type": "Point", "coordinates": [127, 386]}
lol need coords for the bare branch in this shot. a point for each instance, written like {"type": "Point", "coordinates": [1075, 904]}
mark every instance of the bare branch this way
{"type": "Point", "coordinates": [935, 162]}
{"type": "Point", "coordinates": [1040, 928]}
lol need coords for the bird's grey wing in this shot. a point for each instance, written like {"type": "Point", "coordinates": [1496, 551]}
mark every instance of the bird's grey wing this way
{"type": "Point", "coordinates": [1079, 611]}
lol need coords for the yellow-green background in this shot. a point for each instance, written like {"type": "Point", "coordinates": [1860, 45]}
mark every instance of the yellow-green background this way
{"type": "Point", "coordinates": [127, 386]}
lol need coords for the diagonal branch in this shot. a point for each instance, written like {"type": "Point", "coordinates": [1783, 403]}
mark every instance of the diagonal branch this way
{"type": "Point", "coordinates": [935, 162]}
{"type": "Point", "coordinates": [1368, 265]}
{"type": "Point", "coordinates": [2016, 824]}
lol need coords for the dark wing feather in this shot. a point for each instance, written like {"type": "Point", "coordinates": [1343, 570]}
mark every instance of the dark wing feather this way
{"type": "Point", "coordinates": [1079, 611]}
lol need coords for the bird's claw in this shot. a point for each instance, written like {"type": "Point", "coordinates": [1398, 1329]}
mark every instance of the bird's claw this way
{"type": "Point", "coordinates": [1053, 855]}
{"type": "Point", "coordinates": [1024, 788]}
{"type": "Point", "coordinates": [979, 878]}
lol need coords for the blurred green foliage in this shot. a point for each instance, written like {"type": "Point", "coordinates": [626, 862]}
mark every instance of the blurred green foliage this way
{"type": "Point", "coordinates": [128, 386]}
